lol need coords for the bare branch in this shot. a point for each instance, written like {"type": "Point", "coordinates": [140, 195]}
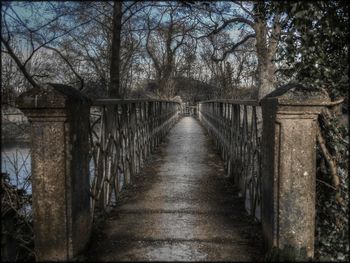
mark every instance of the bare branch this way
{"type": "Point", "coordinates": [6, 26]}
{"type": "Point", "coordinates": [240, 3]}
{"type": "Point", "coordinates": [329, 160]}
{"type": "Point", "coordinates": [132, 14]}
{"type": "Point", "coordinates": [53, 39]}
{"type": "Point", "coordinates": [90, 57]}
{"type": "Point", "coordinates": [128, 7]}
{"type": "Point", "coordinates": [69, 65]}
{"type": "Point", "coordinates": [19, 64]}
{"type": "Point", "coordinates": [233, 48]}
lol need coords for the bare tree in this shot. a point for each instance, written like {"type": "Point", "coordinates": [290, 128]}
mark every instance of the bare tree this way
{"type": "Point", "coordinates": [43, 34]}
{"type": "Point", "coordinates": [114, 88]}
{"type": "Point", "coordinates": [165, 36]}
{"type": "Point", "coordinates": [254, 22]}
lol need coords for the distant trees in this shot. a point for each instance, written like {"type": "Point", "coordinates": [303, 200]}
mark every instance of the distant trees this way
{"type": "Point", "coordinates": [10, 81]}
{"type": "Point", "coordinates": [254, 21]}
{"type": "Point", "coordinates": [22, 23]}
{"type": "Point", "coordinates": [233, 73]}
{"type": "Point", "coordinates": [77, 35]}
{"type": "Point", "coordinates": [115, 47]}
{"type": "Point", "coordinates": [168, 30]}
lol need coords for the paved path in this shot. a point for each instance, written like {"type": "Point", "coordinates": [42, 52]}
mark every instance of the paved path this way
{"type": "Point", "coordinates": [181, 208]}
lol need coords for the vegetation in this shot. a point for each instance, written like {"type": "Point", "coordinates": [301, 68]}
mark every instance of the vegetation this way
{"type": "Point", "coordinates": [16, 214]}
{"type": "Point", "coordinates": [332, 205]}
{"type": "Point", "coordinates": [315, 46]}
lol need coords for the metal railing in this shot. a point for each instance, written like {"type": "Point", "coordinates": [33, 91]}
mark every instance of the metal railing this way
{"type": "Point", "coordinates": [122, 134]}
{"type": "Point", "coordinates": [236, 131]}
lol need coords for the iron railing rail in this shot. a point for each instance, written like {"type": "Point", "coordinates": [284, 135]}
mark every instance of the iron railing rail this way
{"type": "Point", "coordinates": [236, 130]}
{"type": "Point", "coordinates": [122, 134]}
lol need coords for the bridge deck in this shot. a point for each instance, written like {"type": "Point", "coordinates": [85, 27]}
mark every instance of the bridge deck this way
{"type": "Point", "coordinates": [180, 208]}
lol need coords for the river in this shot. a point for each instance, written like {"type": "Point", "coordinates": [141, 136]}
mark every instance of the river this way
{"type": "Point", "coordinates": [16, 162]}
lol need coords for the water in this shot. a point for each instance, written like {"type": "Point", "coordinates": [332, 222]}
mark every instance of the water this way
{"type": "Point", "coordinates": [16, 162]}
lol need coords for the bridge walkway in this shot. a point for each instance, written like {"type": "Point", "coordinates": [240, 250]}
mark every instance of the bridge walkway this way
{"type": "Point", "coordinates": [180, 208]}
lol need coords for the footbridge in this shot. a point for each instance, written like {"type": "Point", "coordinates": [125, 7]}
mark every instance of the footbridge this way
{"type": "Point", "coordinates": [233, 182]}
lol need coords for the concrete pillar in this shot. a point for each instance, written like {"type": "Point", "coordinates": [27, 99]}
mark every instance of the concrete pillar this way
{"type": "Point", "coordinates": [289, 170]}
{"type": "Point", "coordinates": [60, 179]}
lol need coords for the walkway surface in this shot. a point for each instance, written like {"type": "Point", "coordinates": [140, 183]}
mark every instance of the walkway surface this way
{"type": "Point", "coordinates": [180, 208]}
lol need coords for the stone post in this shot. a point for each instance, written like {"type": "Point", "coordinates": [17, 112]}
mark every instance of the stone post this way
{"type": "Point", "coordinates": [289, 170]}
{"type": "Point", "coordinates": [59, 118]}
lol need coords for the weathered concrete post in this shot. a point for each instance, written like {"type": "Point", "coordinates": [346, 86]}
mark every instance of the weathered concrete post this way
{"type": "Point", "coordinates": [289, 170]}
{"type": "Point", "coordinates": [60, 180]}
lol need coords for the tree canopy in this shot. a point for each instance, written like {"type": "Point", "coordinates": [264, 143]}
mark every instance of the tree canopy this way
{"type": "Point", "coordinates": [115, 48]}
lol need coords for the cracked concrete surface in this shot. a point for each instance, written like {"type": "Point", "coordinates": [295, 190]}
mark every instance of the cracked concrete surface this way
{"type": "Point", "coordinates": [180, 208]}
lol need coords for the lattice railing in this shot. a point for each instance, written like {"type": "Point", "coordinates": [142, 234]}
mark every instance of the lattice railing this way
{"type": "Point", "coordinates": [123, 134]}
{"type": "Point", "coordinates": [235, 128]}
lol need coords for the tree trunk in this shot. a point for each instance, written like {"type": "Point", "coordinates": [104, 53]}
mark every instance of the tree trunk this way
{"type": "Point", "coordinates": [114, 87]}
{"type": "Point", "coordinates": [266, 51]}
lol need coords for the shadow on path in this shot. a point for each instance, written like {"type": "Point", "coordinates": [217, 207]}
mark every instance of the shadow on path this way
{"type": "Point", "coordinates": [180, 208]}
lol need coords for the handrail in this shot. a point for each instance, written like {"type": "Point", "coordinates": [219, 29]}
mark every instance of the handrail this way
{"type": "Point", "coordinates": [237, 102]}
{"type": "Point", "coordinates": [236, 130]}
{"type": "Point", "coordinates": [107, 101]}
{"type": "Point", "coordinates": [122, 136]}
{"type": "Point", "coordinates": [281, 102]}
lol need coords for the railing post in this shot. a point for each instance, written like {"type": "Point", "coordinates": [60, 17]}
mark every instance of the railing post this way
{"type": "Point", "coordinates": [59, 117]}
{"type": "Point", "coordinates": [289, 170]}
